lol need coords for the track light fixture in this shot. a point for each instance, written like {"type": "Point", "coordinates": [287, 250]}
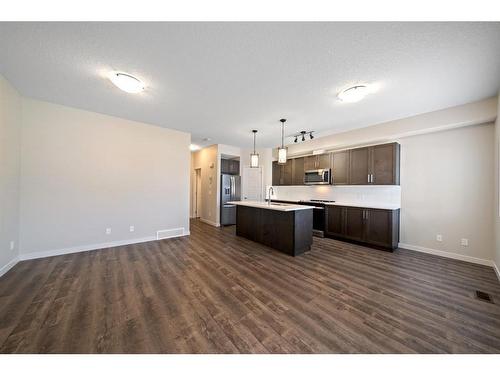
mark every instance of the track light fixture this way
{"type": "Point", "coordinates": [302, 135]}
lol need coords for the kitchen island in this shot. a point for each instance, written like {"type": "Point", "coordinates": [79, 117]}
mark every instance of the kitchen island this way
{"type": "Point", "coordinates": [284, 227]}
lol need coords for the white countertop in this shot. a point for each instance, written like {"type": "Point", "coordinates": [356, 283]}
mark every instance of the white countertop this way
{"type": "Point", "coordinates": [382, 206]}
{"type": "Point", "coordinates": [272, 206]}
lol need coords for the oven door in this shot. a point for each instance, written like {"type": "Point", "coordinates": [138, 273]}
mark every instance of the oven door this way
{"type": "Point", "coordinates": [317, 177]}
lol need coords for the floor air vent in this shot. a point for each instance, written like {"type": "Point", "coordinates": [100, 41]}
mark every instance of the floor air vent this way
{"type": "Point", "coordinates": [169, 233]}
{"type": "Point", "coordinates": [483, 296]}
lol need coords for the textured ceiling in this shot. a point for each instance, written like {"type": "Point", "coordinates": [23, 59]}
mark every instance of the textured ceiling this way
{"type": "Point", "coordinates": [220, 80]}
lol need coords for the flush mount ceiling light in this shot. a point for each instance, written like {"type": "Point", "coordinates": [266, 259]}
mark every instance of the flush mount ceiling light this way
{"type": "Point", "coordinates": [282, 149]}
{"type": "Point", "coordinates": [254, 157]}
{"type": "Point", "coordinates": [194, 147]}
{"type": "Point", "coordinates": [126, 82]}
{"type": "Point", "coordinates": [355, 93]}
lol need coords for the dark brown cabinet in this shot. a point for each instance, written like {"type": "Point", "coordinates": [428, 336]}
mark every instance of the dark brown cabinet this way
{"type": "Point", "coordinates": [375, 165]}
{"type": "Point", "coordinates": [298, 171]}
{"type": "Point", "coordinates": [359, 166]}
{"type": "Point", "coordinates": [384, 164]}
{"type": "Point", "coordinates": [340, 168]}
{"type": "Point", "coordinates": [374, 227]}
{"type": "Point", "coordinates": [230, 166]}
{"type": "Point", "coordinates": [354, 226]}
{"type": "Point", "coordinates": [317, 162]}
{"type": "Point", "coordinates": [287, 231]}
{"type": "Point", "coordinates": [287, 173]}
{"type": "Point", "coordinates": [334, 220]}
{"type": "Point", "coordinates": [283, 173]}
{"type": "Point", "coordinates": [276, 173]}
{"type": "Point", "coordinates": [291, 173]}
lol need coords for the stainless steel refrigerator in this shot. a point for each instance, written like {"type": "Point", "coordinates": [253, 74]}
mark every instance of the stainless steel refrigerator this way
{"type": "Point", "coordinates": [230, 190]}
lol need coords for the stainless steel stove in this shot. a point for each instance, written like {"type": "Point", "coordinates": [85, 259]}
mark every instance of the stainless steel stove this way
{"type": "Point", "coordinates": [318, 214]}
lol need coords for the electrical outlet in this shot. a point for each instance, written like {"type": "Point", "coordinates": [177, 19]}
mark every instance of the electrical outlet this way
{"type": "Point", "coordinates": [108, 230]}
{"type": "Point", "coordinates": [464, 242]}
{"type": "Point", "coordinates": [439, 237]}
{"type": "Point", "coordinates": [131, 228]}
{"type": "Point", "coordinates": [12, 245]}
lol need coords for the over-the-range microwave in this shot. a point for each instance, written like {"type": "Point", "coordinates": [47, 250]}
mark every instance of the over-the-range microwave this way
{"type": "Point", "coordinates": [318, 177]}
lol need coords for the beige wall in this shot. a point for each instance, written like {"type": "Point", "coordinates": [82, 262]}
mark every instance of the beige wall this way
{"type": "Point", "coordinates": [496, 210]}
{"type": "Point", "coordinates": [83, 172]}
{"type": "Point", "coordinates": [447, 189]}
{"type": "Point", "coordinates": [10, 142]}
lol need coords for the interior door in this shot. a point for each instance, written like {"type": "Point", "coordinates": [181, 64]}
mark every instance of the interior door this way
{"type": "Point", "coordinates": [252, 187]}
{"type": "Point", "coordinates": [359, 166]}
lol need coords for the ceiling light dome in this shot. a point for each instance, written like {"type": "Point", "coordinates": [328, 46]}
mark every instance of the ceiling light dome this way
{"type": "Point", "coordinates": [354, 94]}
{"type": "Point", "coordinates": [126, 82]}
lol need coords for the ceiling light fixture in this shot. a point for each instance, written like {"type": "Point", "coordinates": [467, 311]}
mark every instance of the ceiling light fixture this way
{"type": "Point", "coordinates": [311, 135]}
{"type": "Point", "coordinates": [282, 149]}
{"type": "Point", "coordinates": [354, 94]}
{"type": "Point", "coordinates": [303, 135]}
{"type": "Point", "coordinates": [194, 147]}
{"type": "Point", "coordinates": [126, 82]}
{"type": "Point", "coordinates": [254, 157]}
{"type": "Point", "coordinates": [295, 139]}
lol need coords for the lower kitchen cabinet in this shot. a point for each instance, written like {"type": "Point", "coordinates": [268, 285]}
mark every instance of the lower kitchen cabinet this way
{"type": "Point", "coordinates": [374, 227]}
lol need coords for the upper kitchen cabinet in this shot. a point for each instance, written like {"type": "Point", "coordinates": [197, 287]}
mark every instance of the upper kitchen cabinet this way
{"type": "Point", "coordinates": [287, 173]}
{"type": "Point", "coordinates": [276, 173]}
{"type": "Point", "coordinates": [375, 165]}
{"type": "Point", "coordinates": [298, 171]}
{"type": "Point", "coordinates": [230, 166]}
{"type": "Point", "coordinates": [384, 164]}
{"type": "Point", "coordinates": [340, 167]}
{"type": "Point", "coordinates": [359, 166]}
{"type": "Point", "coordinates": [283, 173]}
{"type": "Point", "coordinates": [321, 161]}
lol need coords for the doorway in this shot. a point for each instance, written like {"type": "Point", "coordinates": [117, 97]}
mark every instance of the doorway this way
{"type": "Point", "coordinates": [197, 193]}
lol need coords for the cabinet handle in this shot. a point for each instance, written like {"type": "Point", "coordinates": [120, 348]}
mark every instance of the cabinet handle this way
{"type": "Point", "coordinates": [368, 178]}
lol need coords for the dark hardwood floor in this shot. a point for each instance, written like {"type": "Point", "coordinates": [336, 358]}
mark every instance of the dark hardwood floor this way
{"type": "Point", "coordinates": [213, 292]}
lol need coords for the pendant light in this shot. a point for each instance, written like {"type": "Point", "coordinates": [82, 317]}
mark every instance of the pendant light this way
{"type": "Point", "coordinates": [254, 157]}
{"type": "Point", "coordinates": [282, 149]}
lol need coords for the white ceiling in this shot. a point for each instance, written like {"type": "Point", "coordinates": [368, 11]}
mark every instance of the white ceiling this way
{"type": "Point", "coordinates": [220, 80]}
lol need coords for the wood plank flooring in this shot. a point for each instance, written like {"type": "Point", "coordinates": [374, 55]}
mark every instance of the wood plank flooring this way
{"type": "Point", "coordinates": [213, 292]}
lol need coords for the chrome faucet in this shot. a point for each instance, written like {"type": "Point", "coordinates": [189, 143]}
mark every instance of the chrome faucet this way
{"type": "Point", "coordinates": [270, 191]}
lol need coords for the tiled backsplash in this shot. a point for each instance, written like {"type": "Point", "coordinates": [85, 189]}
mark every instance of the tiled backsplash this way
{"type": "Point", "coordinates": [348, 194]}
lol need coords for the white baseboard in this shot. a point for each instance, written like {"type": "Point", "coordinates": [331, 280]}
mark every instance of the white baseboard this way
{"type": "Point", "coordinates": [77, 249]}
{"type": "Point", "coordinates": [447, 254]}
{"type": "Point", "coordinates": [209, 222]}
{"type": "Point", "coordinates": [8, 266]}
{"type": "Point", "coordinates": [497, 271]}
